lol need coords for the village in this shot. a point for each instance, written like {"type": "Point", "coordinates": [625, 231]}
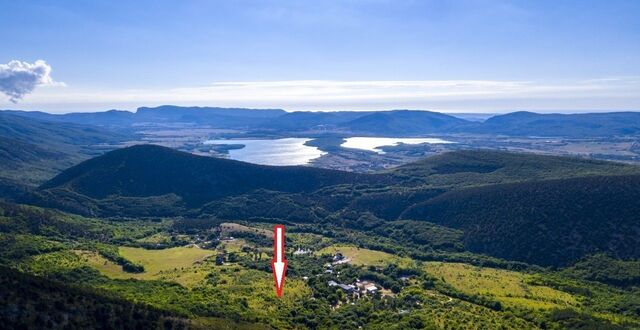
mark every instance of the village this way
{"type": "Point", "coordinates": [358, 288]}
{"type": "Point", "coordinates": [336, 273]}
{"type": "Point", "coordinates": [332, 272]}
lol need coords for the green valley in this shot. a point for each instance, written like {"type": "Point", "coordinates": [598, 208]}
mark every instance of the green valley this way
{"type": "Point", "coordinates": [406, 248]}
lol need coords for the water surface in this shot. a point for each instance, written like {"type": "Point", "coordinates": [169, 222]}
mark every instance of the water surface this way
{"type": "Point", "coordinates": [374, 143]}
{"type": "Point", "coordinates": [288, 151]}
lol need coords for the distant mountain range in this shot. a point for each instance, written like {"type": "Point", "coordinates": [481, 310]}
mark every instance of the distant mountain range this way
{"type": "Point", "coordinates": [577, 125]}
{"type": "Point", "coordinates": [212, 116]}
{"type": "Point", "coordinates": [379, 123]}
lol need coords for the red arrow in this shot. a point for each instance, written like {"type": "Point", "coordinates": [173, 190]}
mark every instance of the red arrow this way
{"type": "Point", "coordinates": [278, 264]}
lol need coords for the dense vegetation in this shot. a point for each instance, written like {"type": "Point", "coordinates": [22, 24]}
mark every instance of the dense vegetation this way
{"type": "Point", "coordinates": [603, 268]}
{"type": "Point", "coordinates": [454, 241]}
{"type": "Point", "coordinates": [585, 124]}
{"type": "Point", "coordinates": [553, 222]}
{"type": "Point", "coordinates": [544, 210]}
{"type": "Point", "coordinates": [33, 150]}
{"type": "Point", "coordinates": [35, 303]}
{"type": "Point", "coordinates": [134, 172]}
{"type": "Point", "coordinates": [178, 283]}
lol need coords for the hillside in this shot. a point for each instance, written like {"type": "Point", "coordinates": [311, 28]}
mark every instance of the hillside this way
{"type": "Point", "coordinates": [126, 181]}
{"type": "Point", "coordinates": [212, 116]}
{"type": "Point", "coordinates": [550, 223]}
{"type": "Point", "coordinates": [538, 209]}
{"type": "Point", "coordinates": [403, 123]}
{"type": "Point", "coordinates": [385, 123]}
{"type": "Point", "coordinates": [36, 303]}
{"type": "Point", "coordinates": [219, 117]}
{"type": "Point", "coordinates": [104, 118]}
{"type": "Point", "coordinates": [302, 120]}
{"type": "Point", "coordinates": [481, 167]}
{"type": "Point", "coordinates": [579, 125]}
{"type": "Point", "coordinates": [51, 134]}
{"type": "Point", "coordinates": [33, 150]}
{"type": "Point", "coordinates": [148, 170]}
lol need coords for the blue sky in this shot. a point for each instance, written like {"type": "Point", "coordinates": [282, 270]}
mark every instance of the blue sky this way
{"type": "Point", "coordinates": [457, 56]}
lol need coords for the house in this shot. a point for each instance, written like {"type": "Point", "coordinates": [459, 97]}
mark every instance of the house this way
{"type": "Point", "coordinates": [338, 257]}
{"type": "Point", "coordinates": [367, 287]}
{"type": "Point", "coordinates": [344, 287]}
{"type": "Point", "coordinates": [301, 251]}
{"type": "Point", "coordinates": [347, 287]}
{"type": "Point", "coordinates": [371, 288]}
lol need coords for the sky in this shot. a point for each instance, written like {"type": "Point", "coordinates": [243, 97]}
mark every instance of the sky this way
{"type": "Point", "coordinates": [451, 56]}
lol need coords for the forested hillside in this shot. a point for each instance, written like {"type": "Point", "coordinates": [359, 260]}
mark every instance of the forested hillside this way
{"type": "Point", "coordinates": [37, 303]}
{"type": "Point", "coordinates": [542, 210]}
{"type": "Point", "coordinates": [481, 167]}
{"type": "Point", "coordinates": [551, 223]}
{"type": "Point", "coordinates": [33, 150]}
{"type": "Point", "coordinates": [147, 170]}
{"type": "Point", "coordinates": [576, 125]}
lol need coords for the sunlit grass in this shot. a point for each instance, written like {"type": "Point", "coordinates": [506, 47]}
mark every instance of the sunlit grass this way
{"type": "Point", "coordinates": [175, 264]}
{"type": "Point", "coordinates": [366, 257]}
{"type": "Point", "coordinates": [156, 261]}
{"type": "Point", "coordinates": [508, 287]}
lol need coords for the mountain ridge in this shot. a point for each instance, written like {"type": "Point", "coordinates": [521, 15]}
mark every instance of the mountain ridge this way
{"type": "Point", "coordinates": [134, 172]}
{"type": "Point", "coordinates": [388, 122]}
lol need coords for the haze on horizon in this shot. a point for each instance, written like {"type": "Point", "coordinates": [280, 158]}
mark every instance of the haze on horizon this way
{"type": "Point", "coordinates": [448, 56]}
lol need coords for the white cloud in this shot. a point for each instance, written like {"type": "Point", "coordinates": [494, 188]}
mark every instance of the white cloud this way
{"type": "Point", "coordinates": [18, 78]}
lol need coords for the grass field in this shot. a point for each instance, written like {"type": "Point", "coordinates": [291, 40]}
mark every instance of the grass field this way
{"type": "Point", "coordinates": [175, 264]}
{"type": "Point", "coordinates": [367, 257]}
{"type": "Point", "coordinates": [156, 261]}
{"type": "Point", "coordinates": [232, 246]}
{"type": "Point", "coordinates": [508, 287]}
{"type": "Point", "coordinates": [163, 238]}
{"type": "Point", "coordinates": [308, 240]}
{"type": "Point", "coordinates": [459, 314]}
{"type": "Point", "coordinates": [257, 288]}
{"type": "Point", "coordinates": [229, 227]}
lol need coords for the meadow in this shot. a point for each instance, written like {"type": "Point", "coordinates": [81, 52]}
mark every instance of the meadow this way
{"type": "Point", "coordinates": [366, 257]}
{"type": "Point", "coordinates": [508, 287]}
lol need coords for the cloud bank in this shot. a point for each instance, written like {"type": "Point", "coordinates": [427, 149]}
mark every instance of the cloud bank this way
{"type": "Point", "coordinates": [18, 78]}
{"type": "Point", "coordinates": [601, 94]}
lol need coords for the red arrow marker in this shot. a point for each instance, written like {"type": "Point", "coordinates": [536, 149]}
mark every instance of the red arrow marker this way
{"type": "Point", "coordinates": [278, 264]}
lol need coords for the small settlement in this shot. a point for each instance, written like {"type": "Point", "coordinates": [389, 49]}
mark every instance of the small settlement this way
{"type": "Point", "coordinates": [358, 288]}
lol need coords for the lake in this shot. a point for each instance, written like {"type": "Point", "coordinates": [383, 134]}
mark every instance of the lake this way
{"type": "Point", "coordinates": [374, 143]}
{"type": "Point", "coordinates": [293, 151]}
{"type": "Point", "coordinates": [288, 151]}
